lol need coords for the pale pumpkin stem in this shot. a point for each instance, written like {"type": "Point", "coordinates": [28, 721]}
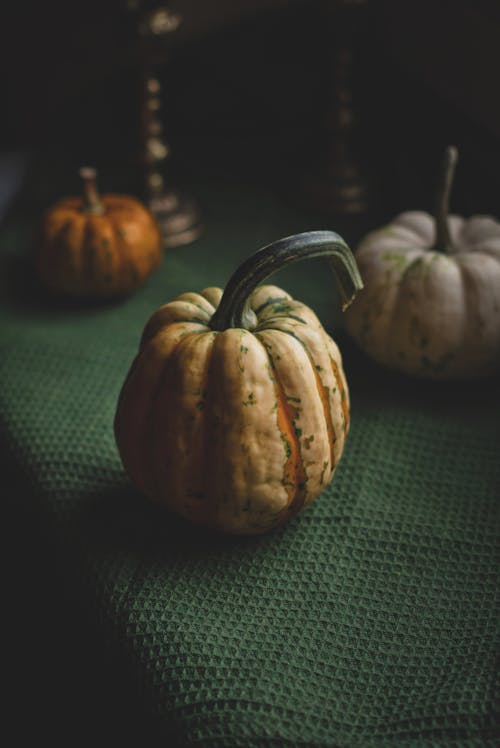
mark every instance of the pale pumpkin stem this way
{"type": "Point", "coordinates": [234, 308]}
{"type": "Point", "coordinates": [443, 241]}
{"type": "Point", "coordinates": [91, 201]}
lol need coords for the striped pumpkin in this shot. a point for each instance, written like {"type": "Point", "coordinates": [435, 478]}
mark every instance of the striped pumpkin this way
{"type": "Point", "coordinates": [97, 247]}
{"type": "Point", "coordinates": [236, 409]}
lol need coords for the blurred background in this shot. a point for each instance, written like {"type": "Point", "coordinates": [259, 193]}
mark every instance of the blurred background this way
{"type": "Point", "coordinates": [340, 108]}
{"type": "Point", "coordinates": [249, 86]}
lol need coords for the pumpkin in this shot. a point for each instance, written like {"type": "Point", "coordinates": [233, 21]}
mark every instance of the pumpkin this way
{"type": "Point", "coordinates": [235, 411]}
{"type": "Point", "coordinates": [431, 302]}
{"type": "Point", "coordinates": [94, 246]}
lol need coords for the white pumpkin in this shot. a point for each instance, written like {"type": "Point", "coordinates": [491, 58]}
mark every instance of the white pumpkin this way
{"type": "Point", "coordinates": [431, 300]}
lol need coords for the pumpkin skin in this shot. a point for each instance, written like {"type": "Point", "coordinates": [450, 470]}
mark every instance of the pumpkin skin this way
{"type": "Point", "coordinates": [236, 429]}
{"type": "Point", "coordinates": [104, 251]}
{"type": "Point", "coordinates": [425, 313]}
{"type": "Point", "coordinates": [429, 313]}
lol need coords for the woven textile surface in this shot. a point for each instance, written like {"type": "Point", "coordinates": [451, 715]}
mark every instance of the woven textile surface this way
{"type": "Point", "coordinates": [370, 620]}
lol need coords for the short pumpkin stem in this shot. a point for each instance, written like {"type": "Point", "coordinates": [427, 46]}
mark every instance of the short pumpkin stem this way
{"type": "Point", "coordinates": [443, 241]}
{"type": "Point", "coordinates": [91, 201]}
{"type": "Point", "coordinates": [234, 308]}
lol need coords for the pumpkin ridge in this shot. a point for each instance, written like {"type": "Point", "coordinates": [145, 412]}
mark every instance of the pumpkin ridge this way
{"type": "Point", "coordinates": [344, 402]}
{"type": "Point", "coordinates": [210, 294]}
{"type": "Point", "coordinates": [416, 261]}
{"type": "Point", "coordinates": [134, 406]}
{"type": "Point", "coordinates": [121, 248]}
{"type": "Point", "coordinates": [280, 308]}
{"type": "Point", "coordinates": [482, 250]}
{"type": "Point", "coordinates": [157, 321]}
{"type": "Point", "coordinates": [323, 395]}
{"type": "Point", "coordinates": [198, 301]}
{"type": "Point", "coordinates": [87, 252]}
{"type": "Point", "coordinates": [184, 483]}
{"type": "Point", "coordinates": [332, 437]}
{"type": "Point", "coordinates": [471, 300]}
{"type": "Point", "coordinates": [294, 473]}
{"type": "Point", "coordinates": [273, 300]}
{"type": "Point", "coordinates": [279, 317]}
{"type": "Point", "coordinates": [394, 316]}
{"type": "Point", "coordinates": [210, 504]}
{"type": "Point", "coordinates": [147, 438]}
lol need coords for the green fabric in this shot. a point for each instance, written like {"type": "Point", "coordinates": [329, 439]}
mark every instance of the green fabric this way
{"type": "Point", "coordinates": [370, 620]}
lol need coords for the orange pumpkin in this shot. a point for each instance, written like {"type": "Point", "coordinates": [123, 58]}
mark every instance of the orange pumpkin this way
{"type": "Point", "coordinates": [100, 247]}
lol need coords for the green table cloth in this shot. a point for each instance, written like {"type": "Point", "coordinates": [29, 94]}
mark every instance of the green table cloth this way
{"type": "Point", "coordinates": [370, 620]}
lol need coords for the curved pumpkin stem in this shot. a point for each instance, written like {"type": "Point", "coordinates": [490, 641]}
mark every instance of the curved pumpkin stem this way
{"type": "Point", "coordinates": [91, 201]}
{"type": "Point", "coordinates": [443, 241]}
{"type": "Point", "coordinates": [234, 308]}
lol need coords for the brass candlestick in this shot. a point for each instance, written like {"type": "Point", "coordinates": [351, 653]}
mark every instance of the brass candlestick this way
{"type": "Point", "coordinates": [338, 185]}
{"type": "Point", "coordinates": [177, 214]}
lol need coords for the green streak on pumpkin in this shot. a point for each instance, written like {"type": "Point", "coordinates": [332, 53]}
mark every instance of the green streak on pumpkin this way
{"type": "Point", "coordinates": [322, 476]}
{"type": "Point", "coordinates": [308, 441]}
{"type": "Point", "coordinates": [296, 496]}
{"type": "Point", "coordinates": [396, 260]}
{"type": "Point", "coordinates": [289, 315]}
{"type": "Point", "coordinates": [269, 300]}
{"type": "Point", "coordinates": [412, 267]}
{"type": "Point", "coordinates": [288, 449]}
{"type": "Point", "coordinates": [282, 306]}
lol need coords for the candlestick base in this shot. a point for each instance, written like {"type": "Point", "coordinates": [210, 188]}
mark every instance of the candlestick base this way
{"type": "Point", "coordinates": [342, 191]}
{"type": "Point", "coordinates": [178, 217]}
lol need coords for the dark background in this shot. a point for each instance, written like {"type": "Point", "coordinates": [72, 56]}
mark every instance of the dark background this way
{"type": "Point", "coordinates": [247, 88]}
{"type": "Point", "coordinates": [247, 85]}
